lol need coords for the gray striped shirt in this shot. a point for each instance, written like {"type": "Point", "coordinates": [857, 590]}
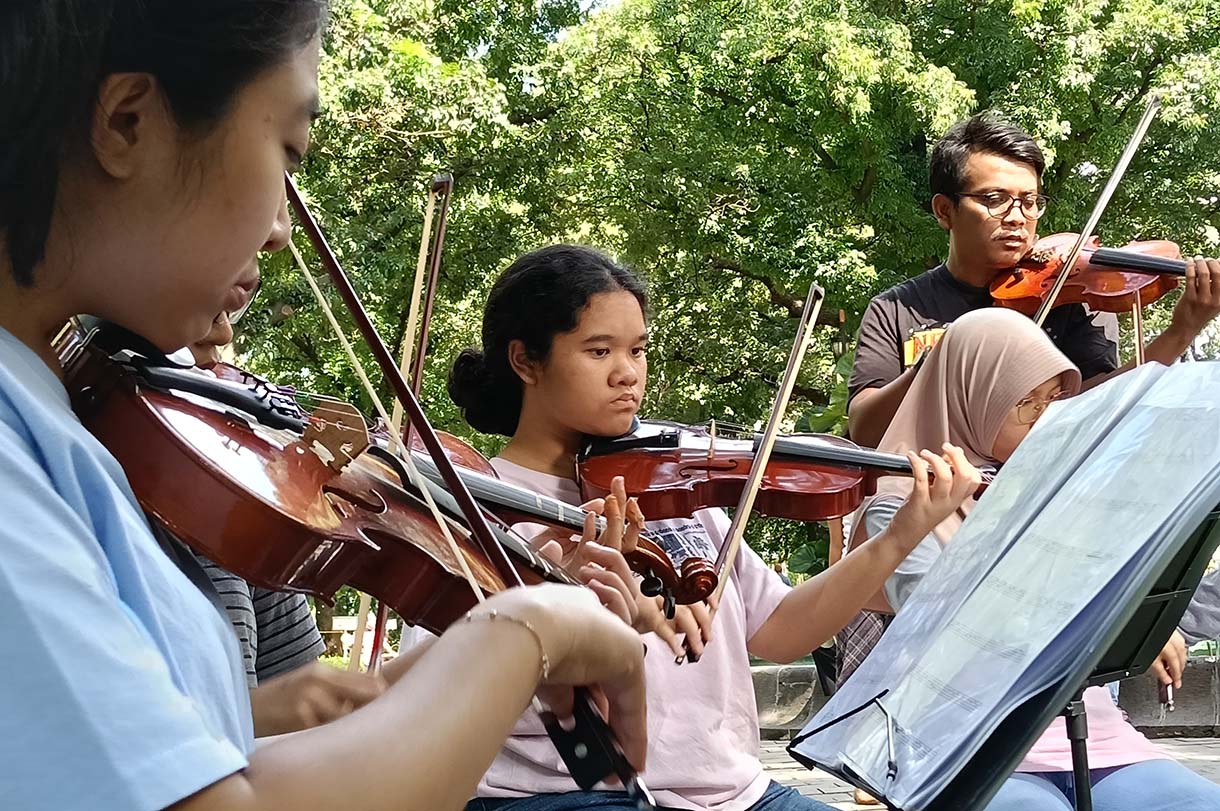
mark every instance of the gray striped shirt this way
{"type": "Point", "coordinates": [275, 629]}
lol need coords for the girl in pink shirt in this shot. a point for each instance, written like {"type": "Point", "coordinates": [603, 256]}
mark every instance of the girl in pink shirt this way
{"type": "Point", "coordinates": [564, 358]}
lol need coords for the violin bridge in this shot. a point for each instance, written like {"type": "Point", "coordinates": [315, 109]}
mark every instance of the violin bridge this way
{"type": "Point", "coordinates": [336, 433]}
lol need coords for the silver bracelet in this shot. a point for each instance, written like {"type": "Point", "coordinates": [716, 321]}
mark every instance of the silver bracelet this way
{"type": "Point", "coordinates": [494, 615]}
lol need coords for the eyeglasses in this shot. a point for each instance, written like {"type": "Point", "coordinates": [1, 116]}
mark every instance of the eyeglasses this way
{"type": "Point", "coordinates": [1031, 408]}
{"type": "Point", "coordinates": [999, 203]}
{"type": "Point", "coordinates": [236, 315]}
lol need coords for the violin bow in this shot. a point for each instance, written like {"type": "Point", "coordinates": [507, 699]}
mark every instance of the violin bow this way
{"type": "Point", "coordinates": [478, 525]}
{"type": "Point", "coordinates": [441, 185]}
{"type": "Point", "coordinates": [413, 349]}
{"type": "Point", "coordinates": [588, 748]}
{"type": "Point", "coordinates": [762, 454]}
{"type": "Point", "coordinates": [1120, 168]}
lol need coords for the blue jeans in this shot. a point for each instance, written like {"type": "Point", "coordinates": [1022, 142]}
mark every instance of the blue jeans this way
{"type": "Point", "coordinates": [1154, 785]}
{"type": "Point", "coordinates": [776, 798]}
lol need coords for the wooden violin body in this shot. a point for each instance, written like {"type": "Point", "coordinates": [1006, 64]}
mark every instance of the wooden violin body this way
{"type": "Point", "coordinates": [1105, 279]}
{"type": "Point", "coordinates": [262, 501]}
{"type": "Point", "coordinates": [677, 470]}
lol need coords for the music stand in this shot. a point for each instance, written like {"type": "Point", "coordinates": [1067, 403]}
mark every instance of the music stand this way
{"type": "Point", "coordinates": [1129, 647]}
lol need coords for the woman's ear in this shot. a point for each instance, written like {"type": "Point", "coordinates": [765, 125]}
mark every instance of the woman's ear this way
{"type": "Point", "coordinates": [519, 359]}
{"type": "Point", "coordinates": [128, 112]}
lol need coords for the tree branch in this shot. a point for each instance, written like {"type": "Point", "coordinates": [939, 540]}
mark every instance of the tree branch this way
{"type": "Point", "coordinates": [865, 190]}
{"type": "Point", "coordinates": [814, 396]}
{"type": "Point", "coordinates": [519, 117]}
{"type": "Point", "coordinates": [304, 345]}
{"type": "Point", "coordinates": [781, 56]}
{"type": "Point", "coordinates": [779, 296]}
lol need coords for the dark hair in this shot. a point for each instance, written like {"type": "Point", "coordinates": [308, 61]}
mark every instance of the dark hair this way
{"type": "Point", "coordinates": [983, 132]}
{"type": "Point", "coordinates": [539, 296]}
{"type": "Point", "coordinates": [55, 53]}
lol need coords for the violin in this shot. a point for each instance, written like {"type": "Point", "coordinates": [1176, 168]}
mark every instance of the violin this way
{"type": "Point", "coordinates": [675, 470]}
{"type": "Point", "coordinates": [514, 504]}
{"type": "Point", "coordinates": [1112, 280]}
{"type": "Point", "coordinates": [278, 514]}
{"type": "Point", "coordinates": [1075, 268]}
{"type": "Point", "coordinates": [298, 501]}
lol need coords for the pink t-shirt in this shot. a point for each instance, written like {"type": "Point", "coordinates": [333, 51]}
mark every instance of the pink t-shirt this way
{"type": "Point", "coordinates": [702, 720]}
{"type": "Point", "coordinates": [1112, 740]}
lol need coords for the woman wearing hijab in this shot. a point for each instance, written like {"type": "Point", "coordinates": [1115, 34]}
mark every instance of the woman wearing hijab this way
{"type": "Point", "coordinates": [982, 388]}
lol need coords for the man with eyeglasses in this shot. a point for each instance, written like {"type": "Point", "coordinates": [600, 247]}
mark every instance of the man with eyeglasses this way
{"type": "Point", "coordinates": [986, 189]}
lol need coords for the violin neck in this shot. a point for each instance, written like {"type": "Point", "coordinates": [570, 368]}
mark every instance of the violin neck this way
{"type": "Point", "coordinates": [1138, 262]}
{"type": "Point", "coordinates": [548, 570]}
{"type": "Point", "coordinates": [811, 449]}
{"type": "Point", "coordinates": [445, 500]}
{"type": "Point", "coordinates": [492, 491]}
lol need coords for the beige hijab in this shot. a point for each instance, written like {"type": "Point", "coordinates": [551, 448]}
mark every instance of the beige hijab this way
{"type": "Point", "coordinates": [986, 362]}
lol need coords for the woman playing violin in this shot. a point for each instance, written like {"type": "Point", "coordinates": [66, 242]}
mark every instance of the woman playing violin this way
{"type": "Point", "coordinates": [564, 357]}
{"type": "Point", "coordinates": [983, 387]}
{"type": "Point", "coordinates": [145, 174]}
{"type": "Point", "coordinates": [986, 184]}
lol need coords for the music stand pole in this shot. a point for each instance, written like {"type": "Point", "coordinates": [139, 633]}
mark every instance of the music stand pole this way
{"type": "Point", "coordinates": [1078, 733]}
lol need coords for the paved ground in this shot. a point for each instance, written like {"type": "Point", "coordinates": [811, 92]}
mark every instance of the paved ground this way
{"type": "Point", "coordinates": [1200, 754]}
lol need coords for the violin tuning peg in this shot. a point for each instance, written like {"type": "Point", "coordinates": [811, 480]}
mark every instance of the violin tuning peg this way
{"type": "Point", "coordinates": [652, 586]}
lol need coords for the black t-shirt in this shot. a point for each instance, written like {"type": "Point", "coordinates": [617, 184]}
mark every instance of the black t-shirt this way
{"type": "Point", "coordinates": [912, 315]}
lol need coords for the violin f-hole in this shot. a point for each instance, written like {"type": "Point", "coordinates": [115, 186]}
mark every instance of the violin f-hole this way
{"type": "Point", "coordinates": [692, 469]}
{"type": "Point", "coordinates": [342, 501]}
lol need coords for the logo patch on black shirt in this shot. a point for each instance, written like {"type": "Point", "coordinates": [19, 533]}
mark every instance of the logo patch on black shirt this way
{"type": "Point", "coordinates": [921, 341]}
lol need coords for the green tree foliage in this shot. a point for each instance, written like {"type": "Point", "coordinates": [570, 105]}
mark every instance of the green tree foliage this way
{"type": "Point", "coordinates": [733, 152]}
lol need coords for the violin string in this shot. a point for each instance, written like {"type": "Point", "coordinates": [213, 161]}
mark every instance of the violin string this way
{"type": "Point", "coordinates": [486, 488]}
{"type": "Point", "coordinates": [396, 442]}
{"type": "Point", "coordinates": [513, 541]}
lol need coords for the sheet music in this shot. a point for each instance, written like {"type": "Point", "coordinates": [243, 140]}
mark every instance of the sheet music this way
{"type": "Point", "coordinates": [1037, 554]}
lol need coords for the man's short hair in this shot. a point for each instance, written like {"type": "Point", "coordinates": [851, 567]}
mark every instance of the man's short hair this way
{"type": "Point", "coordinates": [984, 132]}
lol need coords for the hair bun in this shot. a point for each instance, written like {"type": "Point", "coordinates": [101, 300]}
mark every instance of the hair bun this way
{"type": "Point", "coordinates": [488, 405]}
{"type": "Point", "coordinates": [468, 378]}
